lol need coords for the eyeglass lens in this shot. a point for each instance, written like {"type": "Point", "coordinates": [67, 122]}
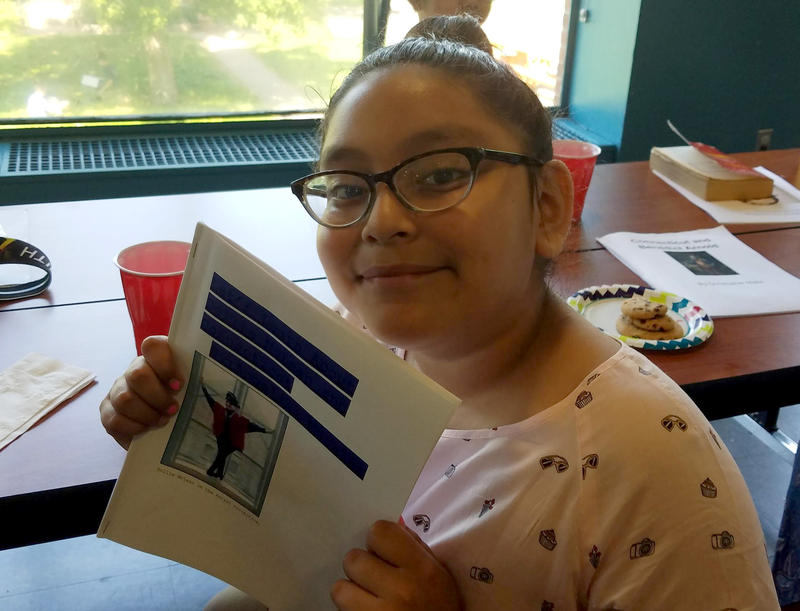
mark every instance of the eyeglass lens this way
{"type": "Point", "coordinates": [431, 183]}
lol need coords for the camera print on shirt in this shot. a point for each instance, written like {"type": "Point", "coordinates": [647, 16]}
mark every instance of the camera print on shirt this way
{"type": "Point", "coordinates": [723, 540]}
{"type": "Point", "coordinates": [482, 574]}
{"type": "Point", "coordinates": [645, 547]}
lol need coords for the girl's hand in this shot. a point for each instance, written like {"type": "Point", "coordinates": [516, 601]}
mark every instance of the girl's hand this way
{"type": "Point", "coordinates": [396, 572]}
{"type": "Point", "coordinates": [143, 397]}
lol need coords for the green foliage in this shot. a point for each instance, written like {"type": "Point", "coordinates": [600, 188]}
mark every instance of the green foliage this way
{"type": "Point", "coordinates": [144, 17]}
{"type": "Point", "coordinates": [159, 56]}
{"type": "Point", "coordinates": [257, 15]}
{"type": "Point", "coordinates": [9, 15]}
{"type": "Point", "coordinates": [151, 17]}
{"type": "Point", "coordinates": [322, 74]}
{"type": "Point", "coordinates": [57, 64]}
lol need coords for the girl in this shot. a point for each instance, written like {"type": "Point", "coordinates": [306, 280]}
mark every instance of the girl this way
{"type": "Point", "coordinates": [575, 475]}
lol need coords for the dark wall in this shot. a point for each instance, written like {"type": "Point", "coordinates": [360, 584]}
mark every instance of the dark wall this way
{"type": "Point", "coordinates": [720, 70]}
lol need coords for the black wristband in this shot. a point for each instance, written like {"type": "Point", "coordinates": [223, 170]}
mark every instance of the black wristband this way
{"type": "Point", "coordinates": [22, 253]}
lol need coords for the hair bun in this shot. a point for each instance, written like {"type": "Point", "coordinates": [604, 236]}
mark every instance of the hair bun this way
{"type": "Point", "coordinates": [464, 29]}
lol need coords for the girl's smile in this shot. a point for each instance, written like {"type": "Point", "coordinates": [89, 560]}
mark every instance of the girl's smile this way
{"type": "Point", "coordinates": [423, 278]}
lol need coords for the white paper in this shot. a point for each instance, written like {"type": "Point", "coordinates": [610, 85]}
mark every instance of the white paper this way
{"type": "Point", "coordinates": [787, 210]}
{"type": "Point", "coordinates": [711, 267]}
{"type": "Point", "coordinates": [33, 387]}
{"type": "Point", "coordinates": [304, 491]}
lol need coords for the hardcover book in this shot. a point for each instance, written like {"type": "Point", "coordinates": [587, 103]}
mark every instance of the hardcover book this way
{"type": "Point", "coordinates": [707, 177]}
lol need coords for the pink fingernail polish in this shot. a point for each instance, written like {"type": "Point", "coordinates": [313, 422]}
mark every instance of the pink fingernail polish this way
{"type": "Point", "coordinates": [174, 384]}
{"type": "Point", "coordinates": [172, 409]}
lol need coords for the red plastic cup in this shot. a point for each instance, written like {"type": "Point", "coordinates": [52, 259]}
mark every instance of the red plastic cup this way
{"type": "Point", "coordinates": [580, 157]}
{"type": "Point", "coordinates": [151, 276]}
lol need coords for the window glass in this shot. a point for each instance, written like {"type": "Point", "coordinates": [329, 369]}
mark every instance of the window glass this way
{"type": "Point", "coordinates": [530, 35]}
{"type": "Point", "coordinates": [124, 58]}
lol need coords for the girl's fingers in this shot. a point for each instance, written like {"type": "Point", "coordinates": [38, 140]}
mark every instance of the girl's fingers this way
{"type": "Point", "coordinates": [120, 427]}
{"type": "Point", "coordinates": [347, 596]}
{"type": "Point", "coordinates": [368, 571]}
{"type": "Point", "coordinates": [158, 355]}
{"type": "Point", "coordinates": [145, 405]}
{"type": "Point", "coordinates": [396, 544]}
{"type": "Point", "coordinates": [144, 397]}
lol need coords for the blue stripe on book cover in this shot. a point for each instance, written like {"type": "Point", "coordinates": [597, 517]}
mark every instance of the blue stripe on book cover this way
{"type": "Point", "coordinates": [263, 340]}
{"type": "Point", "coordinates": [281, 398]}
{"type": "Point", "coordinates": [247, 351]}
{"type": "Point", "coordinates": [297, 343]}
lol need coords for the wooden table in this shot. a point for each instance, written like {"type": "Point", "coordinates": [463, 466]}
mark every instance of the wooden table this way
{"type": "Point", "coordinates": [81, 239]}
{"type": "Point", "coordinates": [750, 363]}
{"type": "Point", "coordinates": [56, 479]}
{"type": "Point", "coordinates": [628, 197]}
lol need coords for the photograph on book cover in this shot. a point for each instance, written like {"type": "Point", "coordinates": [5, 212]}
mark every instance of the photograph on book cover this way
{"type": "Point", "coordinates": [701, 263]}
{"type": "Point", "coordinates": [225, 435]}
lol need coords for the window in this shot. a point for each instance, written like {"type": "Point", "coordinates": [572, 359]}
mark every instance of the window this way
{"type": "Point", "coordinates": [71, 60]}
{"type": "Point", "coordinates": [176, 96]}
{"type": "Point", "coordinates": [530, 35]}
{"type": "Point", "coordinates": [74, 59]}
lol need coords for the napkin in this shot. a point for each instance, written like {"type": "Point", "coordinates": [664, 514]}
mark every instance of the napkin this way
{"type": "Point", "coordinates": [31, 388]}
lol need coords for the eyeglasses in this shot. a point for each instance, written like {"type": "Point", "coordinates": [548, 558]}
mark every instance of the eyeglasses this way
{"type": "Point", "coordinates": [429, 182]}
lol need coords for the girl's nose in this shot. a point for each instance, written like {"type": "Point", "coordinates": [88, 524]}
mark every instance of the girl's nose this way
{"type": "Point", "coordinates": [388, 219]}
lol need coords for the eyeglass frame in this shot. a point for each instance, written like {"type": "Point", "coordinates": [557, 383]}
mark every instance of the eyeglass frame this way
{"type": "Point", "coordinates": [474, 154]}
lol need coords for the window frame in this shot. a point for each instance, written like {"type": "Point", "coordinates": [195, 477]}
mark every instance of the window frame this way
{"type": "Point", "coordinates": [375, 17]}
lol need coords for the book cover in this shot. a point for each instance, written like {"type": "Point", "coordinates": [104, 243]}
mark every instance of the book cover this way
{"type": "Point", "coordinates": [706, 177]}
{"type": "Point", "coordinates": [296, 431]}
{"type": "Point", "coordinates": [713, 268]}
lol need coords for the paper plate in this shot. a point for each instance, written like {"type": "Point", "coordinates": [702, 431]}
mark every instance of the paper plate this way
{"type": "Point", "coordinates": [600, 305]}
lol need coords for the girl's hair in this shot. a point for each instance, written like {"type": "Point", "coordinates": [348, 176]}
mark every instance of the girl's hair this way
{"type": "Point", "coordinates": [457, 46]}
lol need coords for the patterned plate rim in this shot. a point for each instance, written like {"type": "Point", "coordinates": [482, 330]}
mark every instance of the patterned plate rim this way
{"type": "Point", "coordinates": [696, 318]}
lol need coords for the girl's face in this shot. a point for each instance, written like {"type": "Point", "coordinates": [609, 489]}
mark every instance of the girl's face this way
{"type": "Point", "coordinates": [439, 283]}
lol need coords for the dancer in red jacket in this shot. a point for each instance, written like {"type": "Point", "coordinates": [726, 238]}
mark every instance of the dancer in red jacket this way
{"type": "Point", "coordinates": [229, 428]}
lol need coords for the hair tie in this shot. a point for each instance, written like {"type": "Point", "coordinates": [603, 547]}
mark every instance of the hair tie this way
{"type": "Point", "coordinates": [17, 252]}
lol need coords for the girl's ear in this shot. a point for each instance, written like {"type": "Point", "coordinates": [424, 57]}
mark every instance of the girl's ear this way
{"type": "Point", "coordinates": [554, 185]}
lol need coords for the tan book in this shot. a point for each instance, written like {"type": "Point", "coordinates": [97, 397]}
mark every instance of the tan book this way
{"type": "Point", "coordinates": [705, 177]}
{"type": "Point", "coordinates": [797, 178]}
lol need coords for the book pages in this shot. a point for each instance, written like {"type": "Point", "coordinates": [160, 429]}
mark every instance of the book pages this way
{"type": "Point", "coordinates": [785, 210]}
{"type": "Point", "coordinates": [711, 267]}
{"type": "Point", "coordinates": [296, 431]}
